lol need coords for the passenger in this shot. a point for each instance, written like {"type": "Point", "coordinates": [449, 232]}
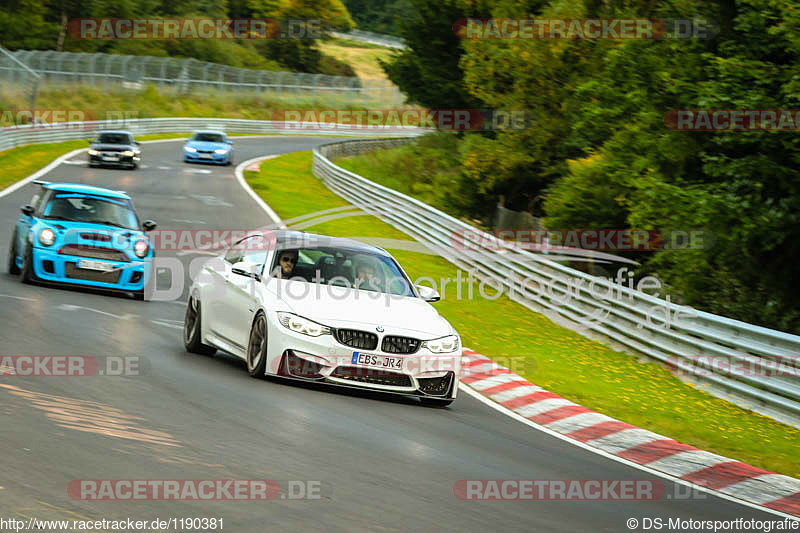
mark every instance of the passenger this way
{"type": "Point", "coordinates": [366, 275]}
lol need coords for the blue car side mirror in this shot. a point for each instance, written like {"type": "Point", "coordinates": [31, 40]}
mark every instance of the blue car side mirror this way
{"type": "Point", "coordinates": [28, 210]}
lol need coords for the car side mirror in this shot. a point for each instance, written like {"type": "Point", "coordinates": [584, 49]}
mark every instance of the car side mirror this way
{"type": "Point", "coordinates": [28, 210]}
{"type": "Point", "coordinates": [229, 141]}
{"type": "Point", "coordinates": [137, 143]}
{"type": "Point", "coordinates": [427, 293]}
{"type": "Point", "coordinates": [149, 225]}
{"type": "Point", "coordinates": [248, 269]}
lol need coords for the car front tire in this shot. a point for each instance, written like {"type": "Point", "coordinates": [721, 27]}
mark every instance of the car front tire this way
{"type": "Point", "coordinates": [28, 275]}
{"type": "Point", "coordinates": [192, 324]}
{"type": "Point", "coordinates": [12, 255]}
{"type": "Point", "coordinates": [257, 347]}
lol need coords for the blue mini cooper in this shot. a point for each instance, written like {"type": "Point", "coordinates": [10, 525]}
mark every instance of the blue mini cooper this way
{"type": "Point", "coordinates": [82, 235]}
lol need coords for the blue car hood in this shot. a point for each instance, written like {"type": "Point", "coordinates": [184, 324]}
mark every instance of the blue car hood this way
{"type": "Point", "coordinates": [206, 145]}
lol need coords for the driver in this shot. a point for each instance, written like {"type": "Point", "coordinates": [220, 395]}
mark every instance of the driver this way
{"type": "Point", "coordinates": [287, 259]}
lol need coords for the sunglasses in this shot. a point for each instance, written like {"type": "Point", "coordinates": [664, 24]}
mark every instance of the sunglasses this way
{"type": "Point", "coordinates": [287, 259]}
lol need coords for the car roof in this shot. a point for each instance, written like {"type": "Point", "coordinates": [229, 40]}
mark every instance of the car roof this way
{"type": "Point", "coordinates": [289, 239]}
{"type": "Point", "coordinates": [86, 189]}
{"type": "Point", "coordinates": [115, 131]}
{"type": "Point", "coordinates": [218, 132]}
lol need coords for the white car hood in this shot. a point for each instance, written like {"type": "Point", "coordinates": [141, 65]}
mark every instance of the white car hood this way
{"type": "Point", "coordinates": [343, 307]}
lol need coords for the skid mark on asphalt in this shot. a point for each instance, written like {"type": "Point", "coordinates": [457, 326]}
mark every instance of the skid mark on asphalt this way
{"type": "Point", "coordinates": [167, 324]}
{"type": "Point", "coordinates": [70, 307]}
{"type": "Point", "coordinates": [186, 460]}
{"type": "Point", "coordinates": [92, 417]}
{"type": "Point", "coordinates": [18, 298]}
{"type": "Point", "coordinates": [187, 221]}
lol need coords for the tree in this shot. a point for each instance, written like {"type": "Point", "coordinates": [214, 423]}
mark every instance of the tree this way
{"type": "Point", "coordinates": [428, 71]}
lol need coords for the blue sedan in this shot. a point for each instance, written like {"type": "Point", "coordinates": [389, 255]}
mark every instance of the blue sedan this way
{"type": "Point", "coordinates": [82, 235]}
{"type": "Point", "coordinates": [208, 146]}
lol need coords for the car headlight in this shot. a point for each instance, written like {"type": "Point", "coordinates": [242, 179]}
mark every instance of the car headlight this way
{"type": "Point", "coordinates": [190, 149]}
{"type": "Point", "coordinates": [443, 345]}
{"type": "Point", "coordinates": [47, 237]}
{"type": "Point", "coordinates": [140, 248]}
{"type": "Point", "coordinates": [302, 325]}
{"type": "Point", "coordinates": [128, 153]}
{"type": "Point", "coordinates": [221, 151]}
{"type": "Point", "coordinates": [93, 152]}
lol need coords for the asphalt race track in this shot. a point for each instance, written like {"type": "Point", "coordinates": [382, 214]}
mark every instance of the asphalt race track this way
{"type": "Point", "coordinates": [384, 464]}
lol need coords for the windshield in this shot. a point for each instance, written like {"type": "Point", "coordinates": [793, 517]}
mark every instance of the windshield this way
{"type": "Point", "coordinates": [209, 137]}
{"type": "Point", "coordinates": [82, 208]}
{"type": "Point", "coordinates": [357, 269]}
{"type": "Point", "coordinates": [114, 138]}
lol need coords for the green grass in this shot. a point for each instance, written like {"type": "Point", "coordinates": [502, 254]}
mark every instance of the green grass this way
{"type": "Point", "coordinates": [19, 163]}
{"type": "Point", "coordinates": [103, 104]}
{"type": "Point", "coordinates": [363, 59]}
{"type": "Point", "coordinates": [428, 169]}
{"type": "Point", "coordinates": [584, 371]}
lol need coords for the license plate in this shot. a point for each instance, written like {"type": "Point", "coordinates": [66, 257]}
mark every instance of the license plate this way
{"type": "Point", "coordinates": [109, 158]}
{"type": "Point", "coordinates": [377, 361]}
{"type": "Point", "coordinates": [205, 156]}
{"type": "Point", "coordinates": [95, 265]}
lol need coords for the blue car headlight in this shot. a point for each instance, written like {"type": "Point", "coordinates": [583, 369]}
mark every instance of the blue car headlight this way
{"type": "Point", "coordinates": [141, 248]}
{"type": "Point", "coordinates": [190, 149]}
{"type": "Point", "coordinates": [221, 151]}
{"type": "Point", "coordinates": [47, 237]}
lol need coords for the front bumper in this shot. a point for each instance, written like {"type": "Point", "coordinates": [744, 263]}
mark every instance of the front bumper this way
{"type": "Point", "coordinates": [113, 160]}
{"type": "Point", "coordinates": [324, 359]}
{"type": "Point", "coordinates": [52, 267]}
{"type": "Point", "coordinates": [196, 157]}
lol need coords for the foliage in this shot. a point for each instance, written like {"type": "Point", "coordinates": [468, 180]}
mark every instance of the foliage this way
{"type": "Point", "coordinates": [379, 16]}
{"type": "Point", "coordinates": [43, 24]}
{"type": "Point", "coordinates": [600, 154]}
{"type": "Point", "coordinates": [428, 71]}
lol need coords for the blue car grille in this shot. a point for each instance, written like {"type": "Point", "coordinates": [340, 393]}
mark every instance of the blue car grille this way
{"type": "Point", "coordinates": [95, 252]}
{"type": "Point", "coordinates": [74, 272]}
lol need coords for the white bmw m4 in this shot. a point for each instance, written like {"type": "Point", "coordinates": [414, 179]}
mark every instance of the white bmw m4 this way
{"type": "Point", "coordinates": [325, 309]}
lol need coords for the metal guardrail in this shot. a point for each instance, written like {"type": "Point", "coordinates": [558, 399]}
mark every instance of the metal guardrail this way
{"type": "Point", "coordinates": [573, 295]}
{"type": "Point", "coordinates": [14, 136]}
{"type": "Point", "coordinates": [389, 41]}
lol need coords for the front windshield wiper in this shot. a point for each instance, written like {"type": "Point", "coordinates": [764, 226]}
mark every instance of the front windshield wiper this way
{"type": "Point", "coordinates": [108, 223]}
{"type": "Point", "coordinates": [56, 217]}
